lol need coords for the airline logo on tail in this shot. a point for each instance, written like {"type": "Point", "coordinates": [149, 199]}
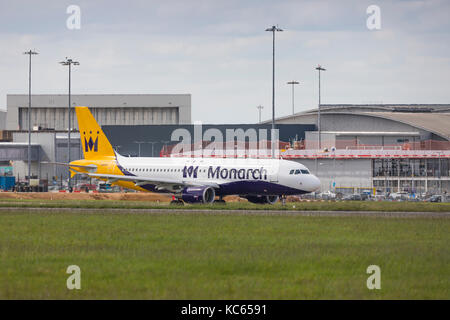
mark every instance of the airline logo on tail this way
{"type": "Point", "coordinates": [92, 137]}
{"type": "Point", "coordinates": [90, 145]}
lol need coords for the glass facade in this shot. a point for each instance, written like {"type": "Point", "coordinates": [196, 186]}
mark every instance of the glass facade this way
{"type": "Point", "coordinates": [411, 168]}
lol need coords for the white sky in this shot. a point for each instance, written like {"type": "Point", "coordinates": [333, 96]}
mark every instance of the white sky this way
{"type": "Point", "coordinates": [219, 52]}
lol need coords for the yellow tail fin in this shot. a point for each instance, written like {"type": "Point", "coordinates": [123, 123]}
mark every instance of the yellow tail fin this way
{"type": "Point", "coordinates": [93, 141]}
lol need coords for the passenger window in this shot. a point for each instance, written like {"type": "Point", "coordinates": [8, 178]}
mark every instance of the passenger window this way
{"type": "Point", "coordinates": [292, 171]}
{"type": "Point", "coordinates": [297, 171]}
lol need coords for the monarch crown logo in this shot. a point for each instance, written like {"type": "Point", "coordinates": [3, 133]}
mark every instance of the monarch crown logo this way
{"type": "Point", "coordinates": [90, 145]}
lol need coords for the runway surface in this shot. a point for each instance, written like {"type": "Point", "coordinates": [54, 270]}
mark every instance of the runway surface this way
{"type": "Point", "coordinates": [233, 212]}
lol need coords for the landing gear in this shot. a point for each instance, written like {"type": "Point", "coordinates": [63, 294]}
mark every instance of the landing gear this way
{"type": "Point", "coordinates": [220, 201]}
{"type": "Point", "coordinates": [176, 202]}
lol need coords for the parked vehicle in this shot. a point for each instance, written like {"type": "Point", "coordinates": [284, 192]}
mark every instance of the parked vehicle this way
{"type": "Point", "coordinates": [85, 187]}
{"type": "Point", "coordinates": [439, 198]}
{"type": "Point", "coordinates": [105, 187]}
{"type": "Point", "coordinates": [352, 197]}
{"type": "Point", "coordinates": [399, 196]}
{"type": "Point", "coordinates": [328, 195]}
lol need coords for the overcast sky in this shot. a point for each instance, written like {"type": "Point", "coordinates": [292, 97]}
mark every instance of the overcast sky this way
{"type": "Point", "coordinates": [219, 52]}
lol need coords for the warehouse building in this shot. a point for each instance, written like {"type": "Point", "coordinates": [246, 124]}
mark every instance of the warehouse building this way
{"type": "Point", "coordinates": [51, 112]}
{"type": "Point", "coordinates": [49, 123]}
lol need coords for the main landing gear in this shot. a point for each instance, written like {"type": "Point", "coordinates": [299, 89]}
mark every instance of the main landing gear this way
{"type": "Point", "coordinates": [176, 202]}
{"type": "Point", "coordinates": [220, 201]}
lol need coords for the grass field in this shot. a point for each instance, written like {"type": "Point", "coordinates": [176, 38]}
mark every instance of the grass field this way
{"type": "Point", "coordinates": [212, 256]}
{"type": "Point", "coordinates": [315, 206]}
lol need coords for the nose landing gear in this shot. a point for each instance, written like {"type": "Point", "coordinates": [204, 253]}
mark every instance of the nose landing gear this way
{"type": "Point", "coordinates": [283, 200]}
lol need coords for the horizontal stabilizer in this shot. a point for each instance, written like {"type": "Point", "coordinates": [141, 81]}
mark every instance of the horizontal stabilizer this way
{"type": "Point", "coordinates": [88, 166]}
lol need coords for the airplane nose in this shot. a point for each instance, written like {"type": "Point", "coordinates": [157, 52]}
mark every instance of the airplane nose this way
{"type": "Point", "coordinates": [314, 183]}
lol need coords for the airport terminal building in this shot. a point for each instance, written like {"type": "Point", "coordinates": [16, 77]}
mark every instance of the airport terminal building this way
{"type": "Point", "coordinates": [382, 148]}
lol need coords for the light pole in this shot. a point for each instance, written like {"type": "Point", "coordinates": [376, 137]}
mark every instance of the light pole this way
{"type": "Point", "coordinates": [152, 143]}
{"type": "Point", "coordinates": [139, 144]}
{"type": "Point", "coordinates": [69, 62]}
{"type": "Point", "coordinates": [293, 83]}
{"type": "Point", "coordinates": [440, 179]}
{"type": "Point", "coordinates": [319, 68]}
{"type": "Point", "coordinates": [273, 29]}
{"type": "Point", "coordinates": [259, 109]}
{"type": "Point", "coordinates": [30, 53]}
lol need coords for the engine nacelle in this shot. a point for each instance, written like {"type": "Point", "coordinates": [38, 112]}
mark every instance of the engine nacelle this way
{"type": "Point", "coordinates": [198, 194]}
{"type": "Point", "coordinates": [262, 199]}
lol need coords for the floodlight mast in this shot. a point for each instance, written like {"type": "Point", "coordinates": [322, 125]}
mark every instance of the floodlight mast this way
{"type": "Point", "coordinates": [69, 62]}
{"type": "Point", "coordinates": [30, 53]}
{"type": "Point", "coordinates": [293, 82]}
{"type": "Point", "coordinates": [319, 68]}
{"type": "Point", "coordinates": [273, 29]}
{"type": "Point", "coordinates": [259, 109]}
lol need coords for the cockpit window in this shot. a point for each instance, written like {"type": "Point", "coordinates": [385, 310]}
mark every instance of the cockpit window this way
{"type": "Point", "coordinates": [297, 171]}
{"type": "Point", "coordinates": [292, 171]}
{"type": "Point", "coordinates": [305, 171]}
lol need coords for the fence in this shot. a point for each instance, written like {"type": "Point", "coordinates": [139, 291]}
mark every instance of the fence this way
{"type": "Point", "coordinates": [345, 149]}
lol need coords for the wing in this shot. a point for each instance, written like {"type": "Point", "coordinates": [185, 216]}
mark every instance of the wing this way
{"type": "Point", "coordinates": [171, 185]}
{"type": "Point", "coordinates": [89, 166]}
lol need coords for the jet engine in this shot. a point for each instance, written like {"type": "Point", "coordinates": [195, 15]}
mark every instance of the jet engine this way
{"type": "Point", "coordinates": [198, 194]}
{"type": "Point", "coordinates": [262, 199]}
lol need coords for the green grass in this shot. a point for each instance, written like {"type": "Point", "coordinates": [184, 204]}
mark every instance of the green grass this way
{"type": "Point", "coordinates": [213, 256]}
{"type": "Point", "coordinates": [325, 206]}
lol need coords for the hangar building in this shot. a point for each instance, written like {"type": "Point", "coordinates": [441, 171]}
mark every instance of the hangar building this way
{"type": "Point", "coordinates": [384, 147]}
{"type": "Point", "coordinates": [49, 122]}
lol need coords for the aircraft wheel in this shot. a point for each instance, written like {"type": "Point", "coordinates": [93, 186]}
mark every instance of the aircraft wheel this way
{"type": "Point", "coordinates": [176, 203]}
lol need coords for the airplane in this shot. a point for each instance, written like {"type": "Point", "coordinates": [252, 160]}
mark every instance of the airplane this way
{"type": "Point", "coordinates": [187, 179]}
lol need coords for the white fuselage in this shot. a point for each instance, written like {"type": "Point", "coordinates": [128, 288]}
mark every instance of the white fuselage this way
{"type": "Point", "coordinates": [233, 176]}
